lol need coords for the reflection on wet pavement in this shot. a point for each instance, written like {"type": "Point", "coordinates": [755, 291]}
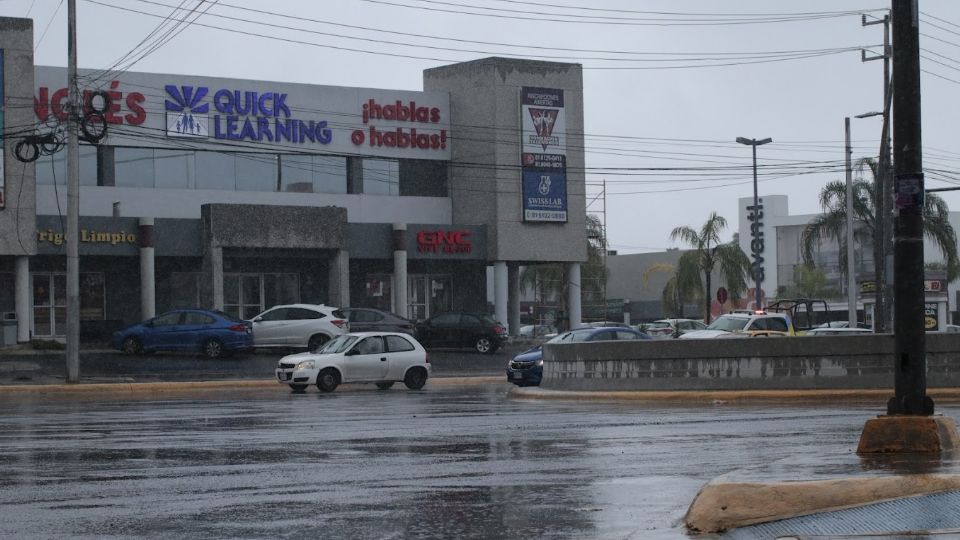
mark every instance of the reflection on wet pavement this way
{"type": "Point", "coordinates": [445, 462]}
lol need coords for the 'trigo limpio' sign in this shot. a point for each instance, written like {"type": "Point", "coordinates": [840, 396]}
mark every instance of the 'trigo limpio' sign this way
{"type": "Point", "coordinates": [543, 154]}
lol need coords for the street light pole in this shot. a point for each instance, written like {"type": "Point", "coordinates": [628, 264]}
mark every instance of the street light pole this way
{"type": "Point", "coordinates": [754, 229]}
{"type": "Point", "coordinates": [851, 275]}
{"type": "Point", "coordinates": [881, 298]}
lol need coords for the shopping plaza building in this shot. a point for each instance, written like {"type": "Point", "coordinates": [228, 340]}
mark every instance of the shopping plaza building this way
{"type": "Point", "coordinates": [242, 194]}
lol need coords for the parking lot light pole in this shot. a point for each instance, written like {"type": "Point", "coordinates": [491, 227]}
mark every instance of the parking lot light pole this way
{"type": "Point", "coordinates": [754, 229]}
{"type": "Point", "coordinates": [879, 212]}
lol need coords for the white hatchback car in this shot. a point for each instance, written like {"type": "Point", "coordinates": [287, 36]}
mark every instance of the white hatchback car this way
{"type": "Point", "coordinates": [378, 357]}
{"type": "Point", "coordinates": [298, 325]}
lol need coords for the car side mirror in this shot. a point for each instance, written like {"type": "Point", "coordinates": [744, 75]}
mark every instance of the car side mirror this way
{"type": "Point", "coordinates": [351, 352]}
{"type": "Point", "coordinates": [149, 324]}
{"type": "Point", "coordinates": [258, 319]}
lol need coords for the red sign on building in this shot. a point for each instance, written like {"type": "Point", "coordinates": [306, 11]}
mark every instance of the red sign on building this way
{"type": "Point", "coordinates": [444, 242]}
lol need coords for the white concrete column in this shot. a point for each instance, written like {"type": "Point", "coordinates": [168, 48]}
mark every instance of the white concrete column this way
{"type": "Point", "coordinates": [339, 277]}
{"type": "Point", "coordinates": [513, 281]}
{"type": "Point", "coordinates": [216, 276]}
{"type": "Point", "coordinates": [401, 303]}
{"type": "Point", "coordinates": [501, 310]}
{"type": "Point", "coordinates": [148, 279]}
{"type": "Point", "coordinates": [574, 308]}
{"type": "Point", "coordinates": [21, 298]}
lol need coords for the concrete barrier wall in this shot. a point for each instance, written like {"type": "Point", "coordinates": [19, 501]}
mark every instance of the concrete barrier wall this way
{"type": "Point", "coordinates": [804, 362]}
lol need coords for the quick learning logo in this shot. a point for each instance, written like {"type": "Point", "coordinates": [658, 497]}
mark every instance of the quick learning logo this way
{"type": "Point", "coordinates": [543, 122]}
{"type": "Point", "coordinates": [186, 116]}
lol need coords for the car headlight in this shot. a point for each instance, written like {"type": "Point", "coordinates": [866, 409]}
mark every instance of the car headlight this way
{"type": "Point", "coordinates": [540, 362]}
{"type": "Point", "coordinates": [306, 364]}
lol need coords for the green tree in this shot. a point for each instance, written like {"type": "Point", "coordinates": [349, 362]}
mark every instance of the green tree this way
{"type": "Point", "coordinates": [709, 255]}
{"type": "Point", "coordinates": [809, 282]}
{"type": "Point", "coordinates": [549, 281]}
{"type": "Point", "coordinates": [831, 224]}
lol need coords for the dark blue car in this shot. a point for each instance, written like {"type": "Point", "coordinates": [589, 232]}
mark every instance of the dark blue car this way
{"type": "Point", "coordinates": [212, 333]}
{"type": "Point", "coordinates": [526, 368]}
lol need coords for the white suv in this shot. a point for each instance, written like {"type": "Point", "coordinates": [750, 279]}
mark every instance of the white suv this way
{"type": "Point", "coordinates": [298, 325]}
{"type": "Point", "coordinates": [745, 325]}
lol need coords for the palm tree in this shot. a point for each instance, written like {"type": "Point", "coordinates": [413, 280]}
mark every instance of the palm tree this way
{"type": "Point", "coordinates": [710, 254]}
{"type": "Point", "coordinates": [682, 287]}
{"type": "Point", "coordinates": [832, 222]}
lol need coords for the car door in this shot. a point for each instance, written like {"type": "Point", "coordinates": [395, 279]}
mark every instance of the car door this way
{"type": "Point", "coordinates": [442, 330]}
{"type": "Point", "coordinates": [300, 325]}
{"type": "Point", "coordinates": [401, 354]}
{"type": "Point", "coordinates": [268, 327]}
{"type": "Point", "coordinates": [161, 333]}
{"type": "Point", "coordinates": [471, 328]}
{"type": "Point", "coordinates": [192, 329]}
{"type": "Point", "coordinates": [367, 360]}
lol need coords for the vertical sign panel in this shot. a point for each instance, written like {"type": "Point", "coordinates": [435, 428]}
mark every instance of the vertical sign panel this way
{"type": "Point", "coordinates": [543, 154]}
{"type": "Point", "coordinates": [3, 140]}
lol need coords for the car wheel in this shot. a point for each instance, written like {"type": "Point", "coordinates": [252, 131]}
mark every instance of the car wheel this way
{"type": "Point", "coordinates": [213, 349]}
{"type": "Point", "coordinates": [485, 345]}
{"type": "Point", "coordinates": [132, 346]}
{"type": "Point", "coordinates": [415, 378]}
{"type": "Point", "coordinates": [317, 341]}
{"type": "Point", "coordinates": [298, 388]}
{"type": "Point", "coordinates": [384, 385]}
{"type": "Point", "coordinates": [328, 380]}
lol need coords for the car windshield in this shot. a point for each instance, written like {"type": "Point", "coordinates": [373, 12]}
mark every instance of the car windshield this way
{"type": "Point", "coordinates": [728, 324]}
{"type": "Point", "coordinates": [488, 319]}
{"type": "Point", "coordinates": [655, 325]}
{"type": "Point", "coordinates": [338, 344]}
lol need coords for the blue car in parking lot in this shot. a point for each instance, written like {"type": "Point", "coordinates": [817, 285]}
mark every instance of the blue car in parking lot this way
{"type": "Point", "coordinates": [212, 333]}
{"type": "Point", "coordinates": [526, 368]}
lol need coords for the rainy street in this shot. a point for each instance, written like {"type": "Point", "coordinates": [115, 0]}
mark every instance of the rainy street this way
{"type": "Point", "coordinates": [449, 461]}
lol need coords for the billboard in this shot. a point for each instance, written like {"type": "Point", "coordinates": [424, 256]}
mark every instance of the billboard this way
{"type": "Point", "coordinates": [206, 113]}
{"type": "Point", "coordinates": [543, 154]}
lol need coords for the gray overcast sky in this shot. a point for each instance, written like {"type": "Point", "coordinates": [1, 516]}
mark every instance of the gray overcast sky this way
{"type": "Point", "coordinates": [649, 112]}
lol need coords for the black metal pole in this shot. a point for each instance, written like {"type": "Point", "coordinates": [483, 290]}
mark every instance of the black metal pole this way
{"type": "Point", "coordinates": [910, 378]}
{"type": "Point", "coordinates": [756, 226]}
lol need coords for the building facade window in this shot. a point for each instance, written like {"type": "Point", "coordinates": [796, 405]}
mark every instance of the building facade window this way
{"type": "Point", "coordinates": [50, 301]}
{"type": "Point", "coordinates": [185, 290]}
{"type": "Point", "coordinates": [247, 294]}
{"type": "Point", "coordinates": [53, 169]}
{"type": "Point", "coordinates": [429, 295]}
{"type": "Point", "coordinates": [313, 174]}
{"type": "Point", "coordinates": [381, 177]}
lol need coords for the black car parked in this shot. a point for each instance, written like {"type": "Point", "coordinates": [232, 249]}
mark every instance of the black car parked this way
{"type": "Point", "coordinates": [377, 320]}
{"type": "Point", "coordinates": [480, 332]}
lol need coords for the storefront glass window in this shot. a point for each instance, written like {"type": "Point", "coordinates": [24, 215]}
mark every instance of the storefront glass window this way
{"type": "Point", "coordinates": [279, 289]}
{"type": "Point", "coordinates": [256, 172]}
{"type": "Point", "coordinates": [55, 167]}
{"type": "Point", "coordinates": [381, 177]}
{"type": "Point", "coordinates": [134, 167]}
{"type": "Point", "coordinates": [378, 291]}
{"type": "Point", "coordinates": [175, 169]}
{"type": "Point", "coordinates": [216, 170]}
{"type": "Point", "coordinates": [7, 288]}
{"type": "Point", "coordinates": [91, 297]}
{"type": "Point", "coordinates": [441, 294]}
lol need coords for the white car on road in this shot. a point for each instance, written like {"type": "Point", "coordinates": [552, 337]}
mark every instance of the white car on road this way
{"type": "Point", "coordinates": [298, 325]}
{"type": "Point", "coordinates": [382, 358]}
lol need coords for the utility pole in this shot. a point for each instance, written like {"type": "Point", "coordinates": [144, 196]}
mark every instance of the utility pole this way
{"type": "Point", "coordinates": [910, 382]}
{"type": "Point", "coordinates": [73, 200]}
{"type": "Point", "coordinates": [883, 242]}
{"type": "Point", "coordinates": [851, 266]}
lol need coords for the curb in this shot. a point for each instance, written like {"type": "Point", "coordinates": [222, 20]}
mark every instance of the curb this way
{"type": "Point", "coordinates": [722, 505]}
{"type": "Point", "coordinates": [87, 388]}
{"type": "Point", "coordinates": [722, 396]}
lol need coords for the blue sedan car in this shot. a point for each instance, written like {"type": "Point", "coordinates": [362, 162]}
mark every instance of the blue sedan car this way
{"type": "Point", "coordinates": [212, 333]}
{"type": "Point", "coordinates": [526, 368]}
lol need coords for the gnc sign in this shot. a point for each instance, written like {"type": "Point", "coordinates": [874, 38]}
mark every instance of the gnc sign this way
{"type": "Point", "coordinates": [441, 241]}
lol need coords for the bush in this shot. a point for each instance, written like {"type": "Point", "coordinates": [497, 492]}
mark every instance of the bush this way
{"type": "Point", "coordinates": [47, 345]}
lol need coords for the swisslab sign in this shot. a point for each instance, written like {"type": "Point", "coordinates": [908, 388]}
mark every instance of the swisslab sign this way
{"type": "Point", "coordinates": [166, 111]}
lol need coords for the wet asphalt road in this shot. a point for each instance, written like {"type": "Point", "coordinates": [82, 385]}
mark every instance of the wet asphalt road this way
{"type": "Point", "coordinates": [444, 462]}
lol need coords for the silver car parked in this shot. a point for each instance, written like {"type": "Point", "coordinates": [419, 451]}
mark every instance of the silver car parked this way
{"type": "Point", "coordinates": [298, 326]}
